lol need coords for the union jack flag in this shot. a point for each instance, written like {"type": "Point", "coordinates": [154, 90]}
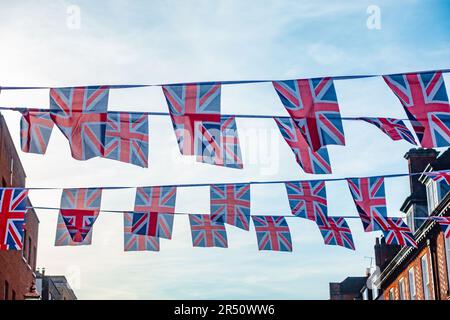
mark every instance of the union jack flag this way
{"type": "Point", "coordinates": [370, 200]}
{"type": "Point", "coordinates": [397, 232]}
{"type": "Point", "coordinates": [231, 204]}
{"type": "Point", "coordinates": [273, 233]}
{"type": "Point", "coordinates": [81, 199]}
{"type": "Point", "coordinates": [444, 222]}
{"type": "Point", "coordinates": [35, 130]}
{"type": "Point", "coordinates": [394, 128]}
{"type": "Point", "coordinates": [13, 203]}
{"type": "Point", "coordinates": [126, 138]}
{"type": "Point", "coordinates": [313, 105]}
{"type": "Point", "coordinates": [80, 113]}
{"type": "Point", "coordinates": [311, 162]}
{"type": "Point", "coordinates": [195, 113]}
{"type": "Point", "coordinates": [136, 242]}
{"type": "Point", "coordinates": [63, 237]}
{"type": "Point", "coordinates": [79, 222]}
{"type": "Point", "coordinates": [207, 233]}
{"type": "Point", "coordinates": [154, 211]}
{"type": "Point", "coordinates": [230, 150]}
{"type": "Point", "coordinates": [424, 98]}
{"type": "Point", "coordinates": [308, 199]}
{"type": "Point", "coordinates": [335, 232]}
{"type": "Point", "coordinates": [441, 176]}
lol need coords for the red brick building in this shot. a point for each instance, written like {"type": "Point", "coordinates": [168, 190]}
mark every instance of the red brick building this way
{"type": "Point", "coordinates": [17, 268]}
{"type": "Point", "coordinates": [422, 273]}
{"type": "Point", "coordinates": [404, 273]}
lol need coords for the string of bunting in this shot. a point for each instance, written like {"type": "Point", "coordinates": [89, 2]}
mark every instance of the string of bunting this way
{"type": "Point", "coordinates": [314, 120]}
{"type": "Point", "coordinates": [154, 212]}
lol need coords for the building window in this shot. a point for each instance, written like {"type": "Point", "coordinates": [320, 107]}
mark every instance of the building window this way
{"type": "Point", "coordinates": [425, 278]}
{"type": "Point", "coordinates": [401, 288]}
{"type": "Point", "coordinates": [392, 294]}
{"type": "Point", "coordinates": [29, 252]}
{"type": "Point", "coordinates": [13, 295]}
{"type": "Point", "coordinates": [412, 284]}
{"type": "Point", "coordinates": [432, 195]}
{"type": "Point", "coordinates": [410, 219]}
{"type": "Point", "coordinates": [447, 256]}
{"type": "Point", "coordinates": [6, 291]}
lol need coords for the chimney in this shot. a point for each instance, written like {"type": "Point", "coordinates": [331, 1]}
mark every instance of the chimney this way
{"type": "Point", "coordinates": [384, 253]}
{"type": "Point", "coordinates": [418, 160]}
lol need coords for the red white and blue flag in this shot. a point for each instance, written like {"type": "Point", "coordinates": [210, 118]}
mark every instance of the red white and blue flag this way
{"type": "Point", "coordinates": [137, 242]}
{"type": "Point", "coordinates": [272, 233]}
{"type": "Point", "coordinates": [79, 199]}
{"type": "Point", "coordinates": [207, 233]}
{"type": "Point", "coordinates": [444, 222]}
{"type": "Point", "coordinates": [195, 113]}
{"type": "Point", "coordinates": [335, 232]}
{"type": "Point", "coordinates": [126, 138]}
{"type": "Point", "coordinates": [441, 176]}
{"type": "Point", "coordinates": [154, 209]}
{"type": "Point", "coordinates": [231, 204]}
{"type": "Point", "coordinates": [63, 237]}
{"type": "Point", "coordinates": [230, 151]}
{"type": "Point", "coordinates": [370, 200]}
{"type": "Point", "coordinates": [313, 105]}
{"type": "Point", "coordinates": [35, 130]}
{"type": "Point", "coordinates": [13, 206]}
{"type": "Point", "coordinates": [424, 98]}
{"type": "Point", "coordinates": [79, 222]}
{"type": "Point", "coordinates": [80, 113]}
{"type": "Point", "coordinates": [311, 162]}
{"type": "Point", "coordinates": [308, 199]}
{"type": "Point", "coordinates": [397, 232]}
{"type": "Point", "coordinates": [394, 128]}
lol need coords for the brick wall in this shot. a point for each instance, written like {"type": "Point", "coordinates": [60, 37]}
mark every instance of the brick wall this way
{"type": "Point", "coordinates": [442, 267]}
{"type": "Point", "coordinates": [416, 264]}
{"type": "Point", "coordinates": [16, 267]}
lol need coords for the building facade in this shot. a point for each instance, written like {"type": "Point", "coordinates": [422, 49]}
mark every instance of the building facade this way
{"type": "Point", "coordinates": [17, 268]}
{"type": "Point", "coordinates": [54, 287]}
{"type": "Point", "coordinates": [422, 273]}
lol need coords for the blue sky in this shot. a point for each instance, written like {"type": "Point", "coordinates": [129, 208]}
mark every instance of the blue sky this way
{"type": "Point", "coordinates": [182, 41]}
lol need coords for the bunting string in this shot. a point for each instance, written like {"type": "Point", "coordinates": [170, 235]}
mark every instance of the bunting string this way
{"type": "Point", "coordinates": [226, 82]}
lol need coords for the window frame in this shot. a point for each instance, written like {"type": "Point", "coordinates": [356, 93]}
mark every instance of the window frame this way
{"type": "Point", "coordinates": [402, 289]}
{"type": "Point", "coordinates": [425, 274]}
{"type": "Point", "coordinates": [392, 294]}
{"type": "Point", "coordinates": [412, 283]}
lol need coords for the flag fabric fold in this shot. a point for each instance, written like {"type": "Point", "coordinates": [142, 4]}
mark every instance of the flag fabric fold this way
{"type": "Point", "coordinates": [231, 204]}
{"type": "Point", "coordinates": [137, 242]}
{"type": "Point", "coordinates": [308, 199]}
{"type": "Point", "coordinates": [314, 162]}
{"type": "Point", "coordinates": [13, 206]}
{"type": "Point", "coordinates": [207, 233]}
{"type": "Point", "coordinates": [81, 114]}
{"type": "Point", "coordinates": [370, 200]}
{"type": "Point", "coordinates": [425, 101]}
{"type": "Point", "coordinates": [273, 233]}
{"type": "Point", "coordinates": [313, 105]}
{"type": "Point", "coordinates": [394, 128]}
{"type": "Point", "coordinates": [126, 138]}
{"type": "Point", "coordinates": [35, 131]}
{"type": "Point", "coordinates": [78, 222]}
{"type": "Point", "coordinates": [195, 113]}
{"type": "Point", "coordinates": [335, 232]}
{"type": "Point", "coordinates": [83, 199]}
{"type": "Point", "coordinates": [397, 232]}
{"type": "Point", "coordinates": [154, 209]}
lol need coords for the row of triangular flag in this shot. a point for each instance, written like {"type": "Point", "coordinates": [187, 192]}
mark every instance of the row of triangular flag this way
{"type": "Point", "coordinates": [154, 212]}
{"type": "Point", "coordinates": [82, 115]}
